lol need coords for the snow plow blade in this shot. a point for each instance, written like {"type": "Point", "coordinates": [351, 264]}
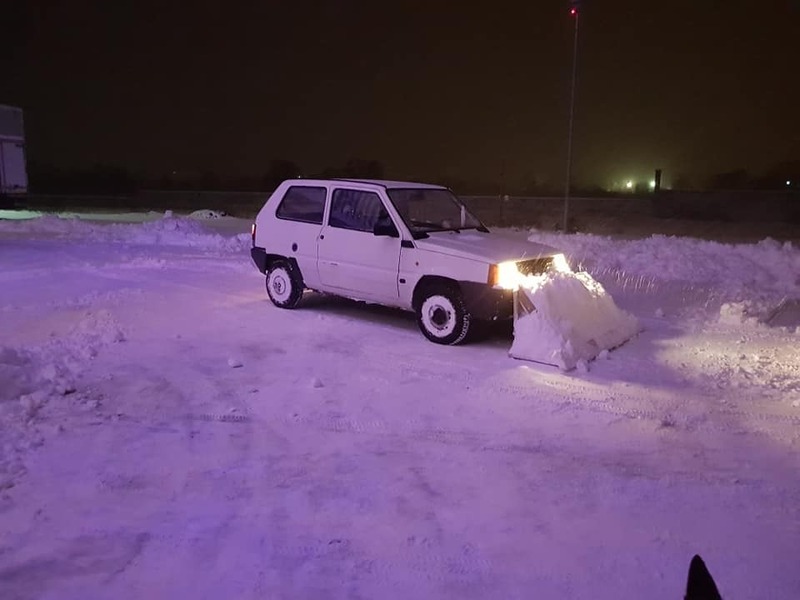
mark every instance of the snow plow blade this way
{"type": "Point", "coordinates": [562, 319]}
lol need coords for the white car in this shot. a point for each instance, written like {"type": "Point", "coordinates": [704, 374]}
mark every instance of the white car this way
{"type": "Point", "coordinates": [409, 245]}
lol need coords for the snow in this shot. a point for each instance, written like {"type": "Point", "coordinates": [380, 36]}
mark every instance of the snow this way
{"type": "Point", "coordinates": [166, 432]}
{"type": "Point", "coordinates": [570, 319]}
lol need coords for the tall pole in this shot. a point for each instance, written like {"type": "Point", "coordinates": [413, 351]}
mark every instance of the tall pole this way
{"type": "Point", "coordinates": [575, 13]}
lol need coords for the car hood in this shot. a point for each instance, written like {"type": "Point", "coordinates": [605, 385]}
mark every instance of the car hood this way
{"type": "Point", "coordinates": [481, 246]}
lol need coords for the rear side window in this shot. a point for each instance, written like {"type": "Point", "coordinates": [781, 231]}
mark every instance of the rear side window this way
{"type": "Point", "coordinates": [357, 210]}
{"type": "Point", "coordinates": [301, 203]}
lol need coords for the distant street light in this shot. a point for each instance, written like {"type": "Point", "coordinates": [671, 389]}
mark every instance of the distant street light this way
{"type": "Point", "coordinates": [575, 14]}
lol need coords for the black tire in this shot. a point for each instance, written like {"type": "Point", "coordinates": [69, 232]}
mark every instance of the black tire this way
{"type": "Point", "coordinates": [442, 316]}
{"type": "Point", "coordinates": [284, 284]}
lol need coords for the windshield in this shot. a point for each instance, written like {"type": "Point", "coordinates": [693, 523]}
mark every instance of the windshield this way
{"type": "Point", "coordinates": [426, 210]}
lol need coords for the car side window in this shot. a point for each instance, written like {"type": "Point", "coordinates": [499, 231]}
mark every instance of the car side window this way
{"type": "Point", "coordinates": [355, 209]}
{"type": "Point", "coordinates": [302, 203]}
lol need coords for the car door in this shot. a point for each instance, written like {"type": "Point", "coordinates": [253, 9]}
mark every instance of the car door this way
{"type": "Point", "coordinates": [351, 258]}
{"type": "Point", "coordinates": [297, 227]}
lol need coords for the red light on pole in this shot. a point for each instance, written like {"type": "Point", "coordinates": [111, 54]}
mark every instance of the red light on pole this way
{"type": "Point", "coordinates": [573, 11]}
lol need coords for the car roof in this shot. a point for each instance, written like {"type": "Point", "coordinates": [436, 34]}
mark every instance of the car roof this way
{"type": "Point", "coordinates": [384, 183]}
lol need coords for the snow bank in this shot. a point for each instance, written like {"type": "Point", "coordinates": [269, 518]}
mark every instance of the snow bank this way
{"type": "Point", "coordinates": [35, 376]}
{"type": "Point", "coordinates": [754, 314]}
{"type": "Point", "coordinates": [153, 229]}
{"type": "Point", "coordinates": [738, 271]}
{"type": "Point", "coordinates": [738, 313]}
{"type": "Point", "coordinates": [207, 214]}
{"type": "Point", "coordinates": [568, 320]}
{"type": "Point", "coordinates": [19, 214]}
{"type": "Point", "coordinates": [29, 379]}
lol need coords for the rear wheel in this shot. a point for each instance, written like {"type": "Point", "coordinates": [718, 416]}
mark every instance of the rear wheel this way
{"type": "Point", "coordinates": [284, 284]}
{"type": "Point", "coordinates": [442, 316]}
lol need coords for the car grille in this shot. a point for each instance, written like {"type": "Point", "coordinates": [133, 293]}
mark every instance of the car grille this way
{"type": "Point", "coordinates": [534, 266]}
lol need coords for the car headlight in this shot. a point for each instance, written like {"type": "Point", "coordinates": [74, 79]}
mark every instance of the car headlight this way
{"type": "Point", "coordinates": [560, 264]}
{"type": "Point", "coordinates": [505, 276]}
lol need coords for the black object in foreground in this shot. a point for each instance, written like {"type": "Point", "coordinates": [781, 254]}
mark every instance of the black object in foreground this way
{"type": "Point", "coordinates": [700, 585]}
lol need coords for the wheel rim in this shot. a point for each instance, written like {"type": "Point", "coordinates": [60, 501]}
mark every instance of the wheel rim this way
{"type": "Point", "coordinates": [280, 285]}
{"type": "Point", "coordinates": [438, 316]}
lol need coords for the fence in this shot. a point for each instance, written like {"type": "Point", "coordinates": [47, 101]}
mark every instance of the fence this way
{"type": "Point", "coordinates": [744, 215]}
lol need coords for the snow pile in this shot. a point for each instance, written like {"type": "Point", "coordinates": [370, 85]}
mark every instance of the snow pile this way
{"type": "Point", "coordinates": [15, 373]}
{"type": "Point", "coordinates": [154, 229]}
{"type": "Point", "coordinates": [755, 314]}
{"type": "Point", "coordinates": [569, 320]}
{"type": "Point", "coordinates": [208, 214]}
{"type": "Point", "coordinates": [177, 231]}
{"type": "Point", "coordinates": [95, 330]}
{"type": "Point", "coordinates": [52, 368]}
{"type": "Point", "coordinates": [768, 268]}
{"type": "Point", "coordinates": [19, 214]}
{"type": "Point", "coordinates": [29, 379]}
{"type": "Point", "coordinates": [46, 224]}
{"type": "Point", "coordinates": [35, 376]}
{"type": "Point", "coordinates": [738, 313]}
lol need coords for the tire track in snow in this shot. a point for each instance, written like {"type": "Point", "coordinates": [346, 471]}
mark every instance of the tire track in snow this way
{"type": "Point", "coordinates": [542, 454]}
{"type": "Point", "coordinates": [468, 565]}
{"type": "Point", "coordinates": [220, 418]}
{"type": "Point", "coordinates": [685, 410]}
{"type": "Point", "coordinates": [664, 410]}
{"type": "Point", "coordinates": [412, 431]}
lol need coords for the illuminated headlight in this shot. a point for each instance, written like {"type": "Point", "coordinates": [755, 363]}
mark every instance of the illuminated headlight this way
{"type": "Point", "coordinates": [560, 264]}
{"type": "Point", "coordinates": [505, 276]}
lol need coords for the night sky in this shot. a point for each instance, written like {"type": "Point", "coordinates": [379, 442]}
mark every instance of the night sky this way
{"type": "Point", "coordinates": [433, 90]}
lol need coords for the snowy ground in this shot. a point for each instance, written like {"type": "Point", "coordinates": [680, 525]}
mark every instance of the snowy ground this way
{"type": "Point", "coordinates": [167, 433]}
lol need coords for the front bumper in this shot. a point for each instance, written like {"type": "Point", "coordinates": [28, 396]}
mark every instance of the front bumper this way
{"type": "Point", "coordinates": [487, 303]}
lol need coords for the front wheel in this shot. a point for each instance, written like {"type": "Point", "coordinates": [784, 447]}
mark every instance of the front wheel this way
{"type": "Point", "coordinates": [442, 316]}
{"type": "Point", "coordinates": [284, 284]}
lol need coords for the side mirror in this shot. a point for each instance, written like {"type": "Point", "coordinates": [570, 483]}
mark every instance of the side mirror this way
{"type": "Point", "coordinates": [385, 227]}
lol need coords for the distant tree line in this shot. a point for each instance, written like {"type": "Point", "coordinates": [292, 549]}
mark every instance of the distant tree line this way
{"type": "Point", "coordinates": [775, 178]}
{"type": "Point", "coordinates": [99, 179]}
{"type": "Point", "coordinates": [116, 179]}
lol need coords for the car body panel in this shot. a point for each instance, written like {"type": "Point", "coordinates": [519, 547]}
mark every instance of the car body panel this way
{"type": "Point", "coordinates": [299, 241]}
{"type": "Point", "coordinates": [416, 263]}
{"type": "Point", "coordinates": [489, 248]}
{"type": "Point", "coordinates": [359, 262]}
